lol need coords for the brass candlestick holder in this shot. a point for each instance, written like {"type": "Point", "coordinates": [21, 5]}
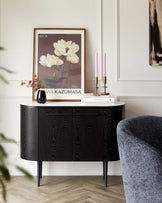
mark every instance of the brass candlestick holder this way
{"type": "Point", "coordinates": [96, 87]}
{"type": "Point", "coordinates": [104, 83]}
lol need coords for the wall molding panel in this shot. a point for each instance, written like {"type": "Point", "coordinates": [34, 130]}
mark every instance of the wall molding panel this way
{"type": "Point", "coordinates": [119, 98]}
{"type": "Point", "coordinates": [132, 61]}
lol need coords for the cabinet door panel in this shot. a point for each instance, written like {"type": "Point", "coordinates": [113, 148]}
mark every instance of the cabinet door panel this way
{"type": "Point", "coordinates": [88, 134]}
{"type": "Point", "coordinates": [112, 116]}
{"type": "Point", "coordinates": [55, 135]}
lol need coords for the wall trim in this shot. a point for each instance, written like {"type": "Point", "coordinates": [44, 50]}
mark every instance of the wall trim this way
{"type": "Point", "coordinates": [117, 36]}
{"type": "Point", "coordinates": [101, 37]}
{"type": "Point", "coordinates": [6, 97]}
{"type": "Point", "coordinates": [139, 97]}
{"type": "Point", "coordinates": [117, 47]}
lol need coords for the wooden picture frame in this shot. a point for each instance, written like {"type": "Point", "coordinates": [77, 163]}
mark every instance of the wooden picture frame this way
{"type": "Point", "coordinates": [59, 61]}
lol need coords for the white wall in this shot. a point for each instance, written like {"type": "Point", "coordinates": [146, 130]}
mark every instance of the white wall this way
{"type": "Point", "coordinates": [120, 29]}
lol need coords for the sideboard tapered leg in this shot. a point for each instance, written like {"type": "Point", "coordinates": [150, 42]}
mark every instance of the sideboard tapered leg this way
{"type": "Point", "coordinates": [41, 169]}
{"type": "Point", "coordinates": [39, 172]}
{"type": "Point", "coordinates": [105, 168]}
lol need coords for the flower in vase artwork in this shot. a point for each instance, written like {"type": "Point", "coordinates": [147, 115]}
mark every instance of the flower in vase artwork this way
{"type": "Point", "coordinates": [59, 64]}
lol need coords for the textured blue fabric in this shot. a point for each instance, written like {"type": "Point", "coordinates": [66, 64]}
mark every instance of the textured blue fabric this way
{"type": "Point", "coordinates": [140, 149]}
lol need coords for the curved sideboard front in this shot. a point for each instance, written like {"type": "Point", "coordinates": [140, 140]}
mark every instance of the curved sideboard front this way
{"type": "Point", "coordinates": [29, 132]}
{"type": "Point", "coordinates": [70, 133]}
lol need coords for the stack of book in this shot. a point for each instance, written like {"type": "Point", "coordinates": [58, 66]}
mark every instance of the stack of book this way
{"type": "Point", "coordinates": [102, 98]}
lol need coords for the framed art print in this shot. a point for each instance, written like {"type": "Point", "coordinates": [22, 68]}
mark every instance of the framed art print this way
{"type": "Point", "coordinates": [155, 7]}
{"type": "Point", "coordinates": [59, 62]}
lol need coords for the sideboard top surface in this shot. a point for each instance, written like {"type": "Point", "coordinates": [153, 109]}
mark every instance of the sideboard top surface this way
{"type": "Point", "coordinates": [73, 104]}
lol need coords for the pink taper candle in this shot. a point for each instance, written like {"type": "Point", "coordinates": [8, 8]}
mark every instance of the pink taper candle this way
{"type": "Point", "coordinates": [104, 69]}
{"type": "Point", "coordinates": [96, 65]}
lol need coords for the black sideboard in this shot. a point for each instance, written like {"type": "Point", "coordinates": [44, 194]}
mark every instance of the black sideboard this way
{"type": "Point", "coordinates": [70, 133]}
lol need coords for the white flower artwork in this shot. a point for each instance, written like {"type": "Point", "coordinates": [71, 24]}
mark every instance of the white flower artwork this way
{"type": "Point", "coordinates": [59, 62]}
{"type": "Point", "coordinates": [67, 49]}
{"type": "Point", "coordinates": [50, 61]}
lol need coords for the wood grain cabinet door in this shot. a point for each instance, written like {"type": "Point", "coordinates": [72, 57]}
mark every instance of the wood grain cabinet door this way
{"type": "Point", "coordinates": [88, 134]}
{"type": "Point", "coordinates": [55, 134]}
{"type": "Point", "coordinates": [112, 116]}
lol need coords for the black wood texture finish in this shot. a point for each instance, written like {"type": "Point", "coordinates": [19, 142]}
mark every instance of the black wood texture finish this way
{"type": "Point", "coordinates": [29, 132]}
{"type": "Point", "coordinates": [88, 134]}
{"type": "Point", "coordinates": [55, 134]}
{"type": "Point", "coordinates": [105, 171]}
{"type": "Point", "coordinates": [70, 133]}
{"type": "Point", "coordinates": [112, 116]}
{"type": "Point", "coordinates": [39, 172]}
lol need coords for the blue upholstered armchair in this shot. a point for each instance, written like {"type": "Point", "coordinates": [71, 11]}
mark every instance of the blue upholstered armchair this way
{"type": "Point", "coordinates": [140, 150]}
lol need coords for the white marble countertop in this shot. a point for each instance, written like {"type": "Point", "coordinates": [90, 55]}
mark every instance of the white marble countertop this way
{"type": "Point", "coordinates": [75, 104]}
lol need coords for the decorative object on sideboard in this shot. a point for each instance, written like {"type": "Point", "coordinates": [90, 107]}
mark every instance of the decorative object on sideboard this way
{"type": "Point", "coordinates": [90, 97]}
{"type": "Point", "coordinates": [96, 75]}
{"type": "Point", "coordinates": [104, 86]}
{"type": "Point", "coordinates": [41, 96]}
{"type": "Point", "coordinates": [96, 87]}
{"type": "Point", "coordinates": [104, 76]}
{"type": "Point", "coordinates": [36, 85]}
{"type": "Point", "coordinates": [59, 61]}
